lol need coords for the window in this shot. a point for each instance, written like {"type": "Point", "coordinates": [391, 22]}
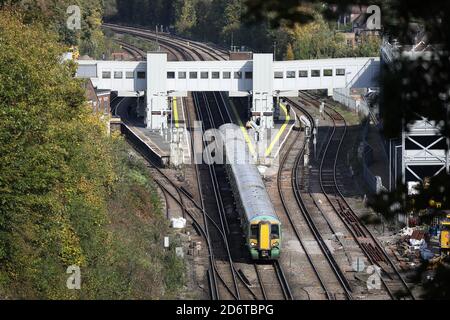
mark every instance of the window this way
{"type": "Point", "coordinates": [303, 73]}
{"type": "Point", "coordinates": [129, 75]}
{"type": "Point", "coordinates": [181, 75]}
{"type": "Point", "coordinates": [254, 231]}
{"type": "Point", "coordinates": [118, 75]}
{"type": "Point", "coordinates": [275, 231]}
{"type": "Point", "coordinates": [141, 74]}
{"type": "Point", "coordinates": [87, 71]}
{"type": "Point", "coordinates": [238, 75]}
{"type": "Point", "coordinates": [278, 75]}
{"type": "Point", "coordinates": [290, 74]}
{"type": "Point", "coordinates": [227, 75]}
{"type": "Point", "coordinates": [170, 75]}
{"type": "Point", "coordinates": [215, 75]}
{"type": "Point", "coordinates": [248, 75]}
{"type": "Point", "coordinates": [328, 72]}
{"type": "Point", "coordinates": [106, 74]}
{"type": "Point", "coordinates": [315, 73]}
{"type": "Point", "coordinates": [204, 75]}
{"type": "Point", "coordinates": [340, 72]}
{"type": "Point", "coordinates": [193, 75]}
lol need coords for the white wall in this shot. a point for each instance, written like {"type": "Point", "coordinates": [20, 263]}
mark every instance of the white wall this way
{"type": "Point", "coordinates": [262, 78]}
{"type": "Point", "coordinates": [118, 84]}
{"type": "Point", "coordinates": [351, 66]}
{"type": "Point", "coordinates": [209, 84]}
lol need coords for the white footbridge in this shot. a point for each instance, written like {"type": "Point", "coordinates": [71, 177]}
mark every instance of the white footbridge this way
{"type": "Point", "coordinates": [262, 78]}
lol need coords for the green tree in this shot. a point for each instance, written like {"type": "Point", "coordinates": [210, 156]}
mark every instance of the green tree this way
{"type": "Point", "coordinates": [187, 17]}
{"type": "Point", "coordinates": [69, 195]}
{"type": "Point", "coordinates": [370, 46]}
{"type": "Point", "coordinates": [233, 13]}
{"type": "Point", "coordinates": [290, 52]}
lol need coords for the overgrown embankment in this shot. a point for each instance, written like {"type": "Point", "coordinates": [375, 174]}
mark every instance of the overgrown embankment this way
{"type": "Point", "coordinates": [70, 195]}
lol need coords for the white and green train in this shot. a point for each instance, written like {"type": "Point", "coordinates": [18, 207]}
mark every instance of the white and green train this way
{"type": "Point", "coordinates": [259, 221]}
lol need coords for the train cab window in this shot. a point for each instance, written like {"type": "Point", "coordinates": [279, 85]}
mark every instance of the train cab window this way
{"type": "Point", "coordinates": [254, 231]}
{"type": "Point", "coordinates": [129, 74]}
{"type": "Point", "coordinates": [141, 74]}
{"type": "Point", "coordinates": [248, 75]}
{"type": "Point", "coordinates": [278, 75]}
{"type": "Point", "coordinates": [238, 75]}
{"type": "Point", "coordinates": [193, 75]}
{"type": "Point", "coordinates": [118, 75]}
{"type": "Point", "coordinates": [290, 74]}
{"type": "Point", "coordinates": [215, 75]}
{"type": "Point", "coordinates": [170, 75]}
{"type": "Point", "coordinates": [303, 74]}
{"type": "Point", "coordinates": [227, 75]}
{"type": "Point", "coordinates": [328, 72]}
{"type": "Point", "coordinates": [340, 72]}
{"type": "Point", "coordinates": [275, 231]}
{"type": "Point", "coordinates": [315, 73]}
{"type": "Point", "coordinates": [204, 75]}
{"type": "Point", "coordinates": [181, 75]}
{"type": "Point", "coordinates": [106, 75]}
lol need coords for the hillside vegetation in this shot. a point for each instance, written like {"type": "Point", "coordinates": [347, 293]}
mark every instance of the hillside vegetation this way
{"type": "Point", "coordinates": [225, 22]}
{"type": "Point", "coordinates": [69, 193]}
{"type": "Point", "coordinates": [53, 14]}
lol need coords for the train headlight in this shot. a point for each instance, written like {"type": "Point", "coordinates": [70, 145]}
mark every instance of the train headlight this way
{"type": "Point", "coordinates": [276, 244]}
{"type": "Point", "coordinates": [253, 244]}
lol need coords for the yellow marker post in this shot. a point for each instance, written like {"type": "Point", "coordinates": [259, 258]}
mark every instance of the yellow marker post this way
{"type": "Point", "coordinates": [175, 112]}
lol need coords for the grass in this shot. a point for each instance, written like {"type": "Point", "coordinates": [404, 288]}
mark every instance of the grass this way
{"type": "Point", "coordinates": [143, 44]}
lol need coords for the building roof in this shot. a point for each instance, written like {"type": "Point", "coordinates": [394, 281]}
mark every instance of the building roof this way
{"type": "Point", "coordinates": [102, 92]}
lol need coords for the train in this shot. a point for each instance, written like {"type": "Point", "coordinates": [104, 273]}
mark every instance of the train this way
{"type": "Point", "coordinates": [260, 224]}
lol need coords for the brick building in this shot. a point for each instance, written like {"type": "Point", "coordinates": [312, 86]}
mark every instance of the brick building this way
{"type": "Point", "coordinates": [100, 100]}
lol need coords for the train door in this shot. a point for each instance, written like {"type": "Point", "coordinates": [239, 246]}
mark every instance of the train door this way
{"type": "Point", "coordinates": [264, 233]}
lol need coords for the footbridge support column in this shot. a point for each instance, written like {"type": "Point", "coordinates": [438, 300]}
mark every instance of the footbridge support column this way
{"type": "Point", "coordinates": [157, 97]}
{"type": "Point", "coordinates": [262, 106]}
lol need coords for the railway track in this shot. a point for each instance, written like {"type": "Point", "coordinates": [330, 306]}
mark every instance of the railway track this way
{"type": "Point", "coordinates": [273, 282]}
{"type": "Point", "coordinates": [202, 105]}
{"type": "Point", "coordinates": [217, 113]}
{"type": "Point", "coordinates": [136, 52]}
{"type": "Point", "coordinates": [331, 279]}
{"type": "Point", "coordinates": [200, 51]}
{"type": "Point", "coordinates": [203, 223]}
{"type": "Point", "coordinates": [227, 280]}
{"type": "Point", "coordinates": [215, 119]}
{"type": "Point", "coordinates": [329, 176]}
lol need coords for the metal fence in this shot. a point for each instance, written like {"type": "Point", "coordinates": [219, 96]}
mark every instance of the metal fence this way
{"type": "Point", "coordinates": [343, 96]}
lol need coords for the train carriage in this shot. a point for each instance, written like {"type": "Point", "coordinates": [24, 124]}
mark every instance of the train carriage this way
{"type": "Point", "coordinates": [259, 221]}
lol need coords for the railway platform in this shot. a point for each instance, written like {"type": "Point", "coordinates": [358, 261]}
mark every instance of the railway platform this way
{"type": "Point", "coordinates": [271, 142]}
{"type": "Point", "coordinates": [171, 146]}
{"type": "Point", "coordinates": [168, 146]}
